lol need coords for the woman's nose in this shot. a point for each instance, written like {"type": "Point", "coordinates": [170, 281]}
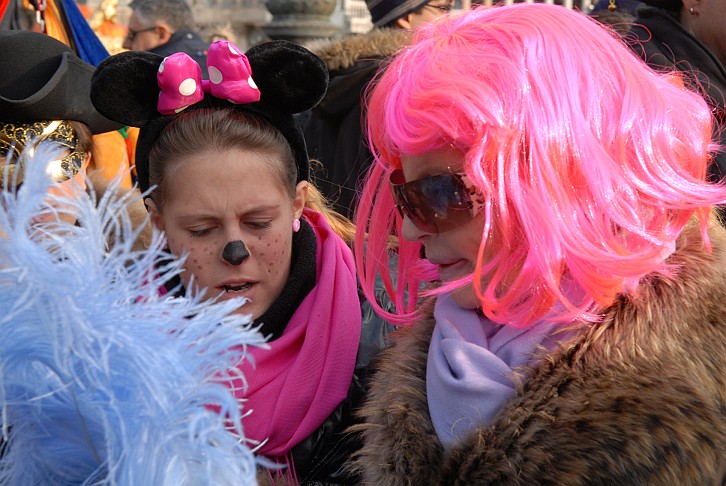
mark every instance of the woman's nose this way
{"type": "Point", "coordinates": [235, 252]}
{"type": "Point", "coordinates": [412, 232]}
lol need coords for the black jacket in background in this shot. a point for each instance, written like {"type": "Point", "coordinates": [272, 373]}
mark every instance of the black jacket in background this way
{"type": "Point", "coordinates": [332, 129]}
{"type": "Point", "coordinates": [659, 38]}
{"type": "Point", "coordinates": [189, 42]}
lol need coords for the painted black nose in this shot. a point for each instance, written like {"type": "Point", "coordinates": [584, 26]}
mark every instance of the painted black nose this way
{"type": "Point", "coordinates": [235, 252]}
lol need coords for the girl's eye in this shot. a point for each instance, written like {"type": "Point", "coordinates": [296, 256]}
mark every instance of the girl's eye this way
{"type": "Point", "coordinates": [259, 224]}
{"type": "Point", "coordinates": [200, 232]}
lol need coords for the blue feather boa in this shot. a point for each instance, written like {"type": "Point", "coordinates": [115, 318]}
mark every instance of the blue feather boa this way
{"type": "Point", "coordinates": [102, 381]}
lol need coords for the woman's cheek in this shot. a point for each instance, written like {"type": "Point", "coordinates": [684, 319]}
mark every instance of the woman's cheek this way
{"type": "Point", "coordinates": [273, 252]}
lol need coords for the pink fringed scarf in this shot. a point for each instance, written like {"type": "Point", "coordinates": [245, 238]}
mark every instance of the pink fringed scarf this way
{"type": "Point", "coordinates": [297, 383]}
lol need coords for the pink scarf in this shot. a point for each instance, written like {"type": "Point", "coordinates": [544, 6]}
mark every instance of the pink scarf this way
{"type": "Point", "coordinates": [297, 383]}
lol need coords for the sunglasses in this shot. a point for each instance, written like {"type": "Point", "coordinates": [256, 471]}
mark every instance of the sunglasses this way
{"type": "Point", "coordinates": [131, 35]}
{"type": "Point", "coordinates": [434, 204]}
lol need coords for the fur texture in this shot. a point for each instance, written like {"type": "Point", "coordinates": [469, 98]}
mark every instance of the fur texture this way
{"type": "Point", "coordinates": [343, 53]}
{"type": "Point", "coordinates": [639, 398]}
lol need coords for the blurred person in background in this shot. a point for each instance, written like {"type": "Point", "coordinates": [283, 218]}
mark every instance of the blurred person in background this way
{"type": "Point", "coordinates": [618, 14]}
{"type": "Point", "coordinates": [45, 96]}
{"type": "Point", "coordinates": [165, 27]}
{"type": "Point", "coordinates": [64, 21]}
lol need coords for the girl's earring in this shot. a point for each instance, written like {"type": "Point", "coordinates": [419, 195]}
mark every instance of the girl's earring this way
{"type": "Point", "coordinates": [295, 225]}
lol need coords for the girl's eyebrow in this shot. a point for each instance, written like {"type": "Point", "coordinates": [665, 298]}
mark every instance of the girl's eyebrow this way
{"type": "Point", "coordinates": [197, 217]}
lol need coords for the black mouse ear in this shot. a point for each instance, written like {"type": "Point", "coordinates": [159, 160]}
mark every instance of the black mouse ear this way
{"type": "Point", "coordinates": [289, 77]}
{"type": "Point", "coordinates": [124, 87]}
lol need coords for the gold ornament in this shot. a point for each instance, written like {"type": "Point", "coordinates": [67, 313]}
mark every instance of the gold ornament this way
{"type": "Point", "coordinates": [17, 138]}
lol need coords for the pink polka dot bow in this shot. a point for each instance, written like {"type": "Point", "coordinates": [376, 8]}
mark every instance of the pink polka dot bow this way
{"type": "Point", "coordinates": [230, 78]}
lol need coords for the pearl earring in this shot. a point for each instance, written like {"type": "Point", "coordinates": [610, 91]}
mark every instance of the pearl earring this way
{"type": "Point", "coordinates": [295, 225]}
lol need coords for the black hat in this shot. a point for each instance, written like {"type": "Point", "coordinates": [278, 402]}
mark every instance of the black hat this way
{"type": "Point", "coordinates": [384, 12]}
{"type": "Point", "coordinates": [290, 78]}
{"type": "Point", "coordinates": [42, 79]}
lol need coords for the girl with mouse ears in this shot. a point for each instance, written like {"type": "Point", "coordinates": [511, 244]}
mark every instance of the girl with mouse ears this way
{"type": "Point", "coordinates": [226, 171]}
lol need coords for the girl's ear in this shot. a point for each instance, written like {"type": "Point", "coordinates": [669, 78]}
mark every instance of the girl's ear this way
{"type": "Point", "coordinates": [301, 195]}
{"type": "Point", "coordinates": [154, 214]}
{"type": "Point", "coordinates": [86, 162]}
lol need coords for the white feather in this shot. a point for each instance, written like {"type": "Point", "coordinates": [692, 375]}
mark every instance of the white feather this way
{"type": "Point", "coordinates": [102, 380]}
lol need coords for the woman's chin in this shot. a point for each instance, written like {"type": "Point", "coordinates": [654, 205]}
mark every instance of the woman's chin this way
{"type": "Point", "coordinates": [465, 297]}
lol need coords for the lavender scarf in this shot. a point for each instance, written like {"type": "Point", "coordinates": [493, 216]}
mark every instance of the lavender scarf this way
{"type": "Point", "coordinates": [471, 364]}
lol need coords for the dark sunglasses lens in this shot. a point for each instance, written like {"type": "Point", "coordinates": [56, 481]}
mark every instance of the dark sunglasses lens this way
{"type": "Point", "coordinates": [413, 209]}
{"type": "Point", "coordinates": [434, 204]}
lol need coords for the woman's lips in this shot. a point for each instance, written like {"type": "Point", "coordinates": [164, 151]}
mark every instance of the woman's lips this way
{"type": "Point", "coordinates": [453, 270]}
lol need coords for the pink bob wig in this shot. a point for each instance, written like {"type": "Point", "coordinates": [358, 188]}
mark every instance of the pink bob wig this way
{"type": "Point", "coordinates": [590, 164]}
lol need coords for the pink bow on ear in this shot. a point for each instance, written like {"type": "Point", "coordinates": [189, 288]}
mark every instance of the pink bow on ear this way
{"type": "Point", "coordinates": [230, 78]}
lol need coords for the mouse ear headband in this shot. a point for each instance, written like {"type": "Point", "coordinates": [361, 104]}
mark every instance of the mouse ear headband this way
{"type": "Point", "coordinates": [273, 81]}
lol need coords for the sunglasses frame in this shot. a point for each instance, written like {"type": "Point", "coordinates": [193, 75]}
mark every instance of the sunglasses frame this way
{"type": "Point", "coordinates": [436, 216]}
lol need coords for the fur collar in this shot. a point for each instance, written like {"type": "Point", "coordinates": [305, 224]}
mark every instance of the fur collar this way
{"type": "Point", "coordinates": [343, 53]}
{"type": "Point", "coordinates": [639, 398]}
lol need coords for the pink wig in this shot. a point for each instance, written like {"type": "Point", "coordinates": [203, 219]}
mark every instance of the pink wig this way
{"type": "Point", "coordinates": [589, 162]}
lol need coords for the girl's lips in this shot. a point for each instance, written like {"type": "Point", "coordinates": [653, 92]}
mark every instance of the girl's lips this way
{"type": "Point", "coordinates": [236, 284]}
{"type": "Point", "coordinates": [236, 289]}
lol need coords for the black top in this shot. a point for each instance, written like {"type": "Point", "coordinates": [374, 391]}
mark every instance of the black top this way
{"type": "Point", "coordinates": [658, 36]}
{"type": "Point", "coordinates": [188, 42]}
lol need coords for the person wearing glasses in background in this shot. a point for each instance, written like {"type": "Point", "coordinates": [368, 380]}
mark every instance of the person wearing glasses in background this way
{"type": "Point", "coordinates": [165, 27]}
{"type": "Point", "coordinates": [406, 15]}
{"type": "Point", "coordinates": [333, 128]}
{"type": "Point", "coordinates": [575, 324]}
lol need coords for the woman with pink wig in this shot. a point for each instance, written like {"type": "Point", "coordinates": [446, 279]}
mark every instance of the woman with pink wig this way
{"type": "Point", "coordinates": [560, 265]}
